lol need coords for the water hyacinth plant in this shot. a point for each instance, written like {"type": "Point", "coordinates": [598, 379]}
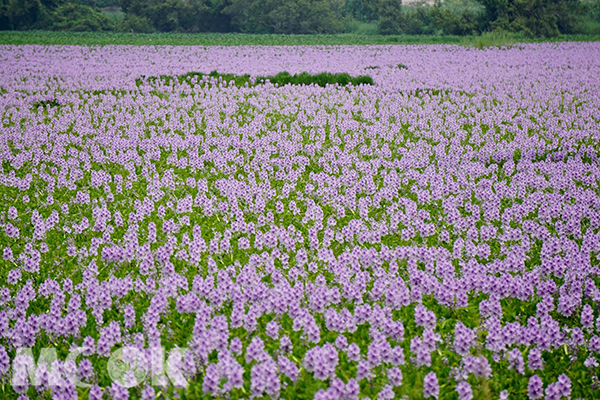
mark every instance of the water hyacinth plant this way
{"type": "Point", "coordinates": [432, 235]}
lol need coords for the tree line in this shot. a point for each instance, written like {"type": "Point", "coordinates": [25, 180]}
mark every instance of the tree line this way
{"type": "Point", "coordinates": [534, 18]}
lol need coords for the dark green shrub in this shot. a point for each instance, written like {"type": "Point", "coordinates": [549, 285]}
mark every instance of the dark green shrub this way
{"type": "Point", "coordinates": [363, 10]}
{"type": "Point", "coordinates": [390, 21]}
{"type": "Point", "coordinates": [281, 79]}
{"type": "Point", "coordinates": [45, 103]}
{"type": "Point", "coordinates": [534, 18]}
{"type": "Point", "coordinates": [79, 18]}
{"type": "Point", "coordinates": [135, 23]}
{"type": "Point", "coordinates": [418, 20]}
{"type": "Point", "coordinates": [286, 16]}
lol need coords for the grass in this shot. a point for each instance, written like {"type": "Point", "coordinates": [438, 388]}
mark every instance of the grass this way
{"type": "Point", "coordinates": [240, 39]}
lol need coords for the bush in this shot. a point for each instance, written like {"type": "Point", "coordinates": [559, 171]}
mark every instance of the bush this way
{"type": "Point", "coordinates": [535, 18]}
{"type": "Point", "coordinates": [80, 18]}
{"type": "Point", "coordinates": [286, 16]}
{"type": "Point", "coordinates": [24, 14]}
{"type": "Point", "coordinates": [390, 22]}
{"type": "Point", "coordinates": [281, 79]}
{"type": "Point", "coordinates": [135, 23]}
{"type": "Point", "coordinates": [363, 10]}
{"type": "Point", "coordinates": [451, 23]}
{"type": "Point", "coordinates": [590, 17]}
{"type": "Point", "coordinates": [418, 20]}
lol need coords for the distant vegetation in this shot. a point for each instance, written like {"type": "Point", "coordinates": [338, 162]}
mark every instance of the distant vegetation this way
{"type": "Point", "coordinates": [529, 18]}
{"type": "Point", "coordinates": [487, 39]}
{"type": "Point", "coordinates": [281, 79]}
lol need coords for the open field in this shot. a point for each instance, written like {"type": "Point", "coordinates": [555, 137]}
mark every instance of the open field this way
{"type": "Point", "coordinates": [434, 234]}
{"type": "Point", "coordinates": [240, 39]}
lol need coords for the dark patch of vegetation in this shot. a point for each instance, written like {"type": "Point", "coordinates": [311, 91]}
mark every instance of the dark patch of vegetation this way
{"type": "Point", "coordinates": [57, 15]}
{"type": "Point", "coordinates": [281, 79]}
{"type": "Point", "coordinates": [402, 66]}
{"type": "Point", "coordinates": [46, 103]}
{"type": "Point", "coordinates": [534, 18]}
{"type": "Point", "coordinates": [434, 92]}
{"type": "Point", "coordinates": [372, 67]}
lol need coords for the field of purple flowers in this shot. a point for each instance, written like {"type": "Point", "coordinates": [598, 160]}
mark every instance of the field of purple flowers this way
{"type": "Point", "coordinates": [435, 235]}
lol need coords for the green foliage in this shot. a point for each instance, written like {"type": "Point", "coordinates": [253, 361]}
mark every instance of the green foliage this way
{"type": "Point", "coordinates": [100, 3]}
{"type": "Point", "coordinates": [532, 18]}
{"type": "Point", "coordinates": [174, 16]}
{"type": "Point", "coordinates": [535, 18]}
{"type": "Point", "coordinates": [45, 103]}
{"type": "Point", "coordinates": [417, 20]}
{"type": "Point", "coordinates": [361, 28]}
{"type": "Point", "coordinates": [52, 15]}
{"type": "Point", "coordinates": [390, 12]}
{"type": "Point", "coordinates": [281, 79]}
{"type": "Point", "coordinates": [363, 10]}
{"type": "Point", "coordinates": [494, 39]}
{"type": "Point", "coordinates": [286, 16]}
{"type": "Point", "coordinates": [22, 14]}
{"type": "Point", "coordinates": [166, 15]}
{"type": "Point", "coordinates": [462, 23]}
{"type": "Point", "coordinates": [80, 18]}
{"type": "Point", "coordinates": [136, 23]}
{"type": "Point", "coordinates": [441, 19]}
{"type": "Point", "coordinates": [589, 21]}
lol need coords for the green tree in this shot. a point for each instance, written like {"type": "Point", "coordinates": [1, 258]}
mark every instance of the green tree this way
{"type": "Point", "coordinates": [4, 19]}
{"type": "Point", "coordinates": [286, 16]}
{"type": "Point", "coordinates": [390, 12]}
{"type": "Point", "coordinates": [24, 14]}
{"type": "Point", "coordinates": [459, 22]}
{"type": "Point", "coordinates": [171, 15]}
{"type": "Point", "coordinates": [79, 18]}
{"type": "Point", "coordinates": [363, 10]}
{"type": "Point", "coordinates": [542, 18]}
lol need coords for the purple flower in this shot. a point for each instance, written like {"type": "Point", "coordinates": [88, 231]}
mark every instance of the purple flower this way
{"type": "Point", "coordinates": [288, 368]}
{"type": "Point", "coordinates": [148, 393]}
{"type": "Point", "coordinates": [341, 342]}
{"type": "Point", "coordinates": [515, 361]}
{"type": "Point", "coordinates": [394, 376]}
{"type": "Point", "coordinates": [273, 330]}
{"type": "Point", "coordinates": [587, 316]}
{"type": "Point", "coordinates": [85, 369]}
{"type": "Point", "coordinates": [235, 346]}
{"type": "Point", "coordinates": [424, 317]}
{"type": "Point", "coordinates": [7, 254]}
{"type": "Point", "coordinates": [464, 391]}
{"type": "Point", "coordinates": [285, 344]}
{"type": "Point", "coordinates": [422, 353]}
{"type": "Point", "coordinates": [95, 393]}
{"type": "Point", "coordinates": [386, 393]}
{"type": "Point", "coordinates": [211, 379]}
{"type": "Point", "coordinates": [363, 370]}
{"type": "Point", "coordinates": [431, 387]}
{"type": "Point", "coordinates": [534, 360]}
{"type": "Point", "coordinates": [463, 338]}
{"type": "Point", "coordinates": [353, 352]}
{"type": "Point", "coordinates": [255, 350]}
{"type": "Point", "coordinates": [321, 361]}
{"type": "Point", "coordinates": [264, 379]}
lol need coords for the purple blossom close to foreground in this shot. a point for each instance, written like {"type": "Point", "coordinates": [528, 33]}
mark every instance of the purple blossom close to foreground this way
{"type": "Point", "coordinates": [435, 235]}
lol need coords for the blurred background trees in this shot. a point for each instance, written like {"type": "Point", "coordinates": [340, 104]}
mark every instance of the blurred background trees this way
{"type": "Point", "coordinates": [532, 18]}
